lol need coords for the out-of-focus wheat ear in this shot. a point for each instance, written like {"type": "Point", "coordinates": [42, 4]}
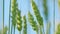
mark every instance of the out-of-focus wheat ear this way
{"type": "Point", "coordinates": [41, 32]}
{"type": "Point", "coordinates": [48, 28]}
{"type": "Point", "coordinates": [32, 22]}
{"type": "Point", "coordinates": [45, 9]}
{"type": "Point", "coordinates": [11, 28]}
{"type": "Point", "coordinates": [5, 29]}
{"type": "Point", "coordinates": [59, 3]}
{"type": "Point", "coordinates": [58, 29]}
{"type": "Point", "coordinates": [25, 25]}
{"type": "Point", "coordinates": [37, 13]}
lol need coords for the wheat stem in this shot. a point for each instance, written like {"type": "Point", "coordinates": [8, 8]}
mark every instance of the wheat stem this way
{"type": "Point", "coordinates": [41, 30]}
{"type": "Point", "coordinates": [11, 29]}
{"type": "Point", "coordinates": [9, 16]}
{"type": "Point", "coordinates": [48, 28]}
{"type": "Point", "coordinates": [14, 29]}
{"type": "Point", "coordinates": [45, 9]}
{"type": "Point", "coordinates": [3, 17]}
{"type": "Point", "coordinates": [19, 32]}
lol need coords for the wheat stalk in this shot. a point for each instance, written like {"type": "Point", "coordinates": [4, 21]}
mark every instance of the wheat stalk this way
{"type": "Point", "coordinates": [9, 16]}
{"type": "Point", "coordinates": [11, 28]}
{"type": "Point", "coordinates": [46, 14]}
{"type": "Point", "coordinates": [3, 17]}
{"type": "Point", "coordinates": [48, 28]}
{"type": "Point", "coordinates": [45, 9]}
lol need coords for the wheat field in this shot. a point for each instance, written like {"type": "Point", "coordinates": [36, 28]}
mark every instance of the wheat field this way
{"type": "Point", "coordinates": [29, 16]}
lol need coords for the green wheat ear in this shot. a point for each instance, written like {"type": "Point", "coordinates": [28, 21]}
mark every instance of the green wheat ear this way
{"type": "Point", "coordinates": [37, 13]}
{"type": "Point", "coordinates": [32, 22]}
{"type": "Point", "coordinates": [19, 20]}
{"type": "Point", "coordinates": [13, 9]}
{"type": "Point", "coordinates": [25, 25]}
{"type": "Point", "coordinates": [14, 12]}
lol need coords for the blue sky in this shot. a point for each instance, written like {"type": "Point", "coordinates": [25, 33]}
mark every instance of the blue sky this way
{"type": "Point", "coordinates": [25, 6]}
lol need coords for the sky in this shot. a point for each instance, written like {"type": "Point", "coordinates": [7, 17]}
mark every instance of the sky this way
{"type": "Point", "coordinates": [25, 6]}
